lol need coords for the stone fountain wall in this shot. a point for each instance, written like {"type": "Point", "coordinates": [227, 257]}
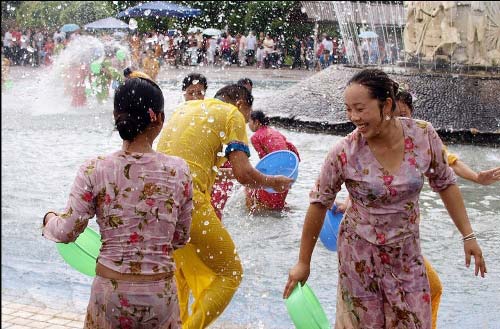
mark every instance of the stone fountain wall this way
{"type": "Point", "coordinates": [464, 109]}
{"type": "Point", "coordinates": [465, 32]}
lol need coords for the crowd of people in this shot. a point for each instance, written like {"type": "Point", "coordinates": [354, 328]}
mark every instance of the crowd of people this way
{"type": "Point", "coordinates": [153, 49]}
{"type": "Point", "coordinates": [261, 51]}
{"type": "Point", "coordinates": [32, 47]}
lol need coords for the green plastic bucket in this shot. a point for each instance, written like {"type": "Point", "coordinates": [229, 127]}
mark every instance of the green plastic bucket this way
{"type": "Point", "coordinates": [305, 310]}
{"type": "Point", "coordinates": [82, 254]}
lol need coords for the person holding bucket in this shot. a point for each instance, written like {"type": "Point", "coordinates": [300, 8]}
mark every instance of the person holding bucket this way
{"type": "Point", "coordinates": [206, 133]}
{"type": "Point", "coordinates": [404, 108]}
{"type": "Point", "coordinates": [266, 140]}
{"type": "Point", "coordinates": [143, 202]}
{"type": "Point", "coordinates": [382, 277]}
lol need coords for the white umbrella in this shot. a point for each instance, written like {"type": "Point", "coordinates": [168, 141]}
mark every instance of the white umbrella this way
{"type": "Point", "coordinates": [368, 35]}
{"type": "Point", "coordinates": [107, 23]}
{"type": "Point", "coordinates": [212, 32]}
{"type": "Point", "coordinates": [194, 29]}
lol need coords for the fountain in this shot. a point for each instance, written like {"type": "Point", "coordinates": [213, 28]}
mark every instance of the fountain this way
{"type": "Point", "coordinates": [446, 53]}
{"type": "Point", "coordinates": [78, 67]}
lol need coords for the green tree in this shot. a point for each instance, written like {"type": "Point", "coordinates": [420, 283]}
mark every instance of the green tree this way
{"type": "Point", "coordinates": [54, 14]}
{"type": "Point", "coordinates": [46, 14]}
{"type": "Point", "coordinates": [9, 14]}
{"type": "Point", "coordinates": [84, 12]}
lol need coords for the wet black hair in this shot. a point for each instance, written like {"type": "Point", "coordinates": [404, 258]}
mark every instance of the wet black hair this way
{"type": "Point", "coordinates": [127, 71]}
{"type": "Point", "coordinates": [234, 93]}
{"type": "Point", "coordinates": [188, 81]}
{"type": "Point", "coordinates": [132, 101]}
{"type": "Point", "coordinates": [405, 97]}
{"type": "Point", "coordinates": [244, 81]}
{"type": "Point", "coordinates": [260, 117]}
{"type": "Point", "coordinates": [378, 84]}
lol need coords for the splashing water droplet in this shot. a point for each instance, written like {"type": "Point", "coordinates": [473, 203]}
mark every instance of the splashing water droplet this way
{"type": "Point", "coordinates": [132, 24]}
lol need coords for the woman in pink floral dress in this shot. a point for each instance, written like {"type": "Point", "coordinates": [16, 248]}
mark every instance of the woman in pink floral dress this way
{"type": "Point", "coordinates": [382, 277]}
{"type": "Point", "coordinates": [142, 200]}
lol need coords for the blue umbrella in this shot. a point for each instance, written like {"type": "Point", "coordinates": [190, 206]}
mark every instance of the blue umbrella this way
{"type": "Point", "coordinates": [161, 9]}
{"type": "Point", "coordinates": [69, 28]}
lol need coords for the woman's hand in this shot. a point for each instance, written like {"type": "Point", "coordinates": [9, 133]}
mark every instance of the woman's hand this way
{"type": "Point", "coordinates": [298, 273]}
{"type": "Point", "coordinates": [48, 216]}
{"type": "Point", "coordinates": [280, 183]}
{"type": "Point", "coordinates": [341, 207]}
{"type": "Point", "coordinates": [488, 177]}
{"type": "Point", "coordinates": [471, 248]}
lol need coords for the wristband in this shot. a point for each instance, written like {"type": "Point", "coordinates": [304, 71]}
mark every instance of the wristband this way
{"type": "Point", "coordinates": [470, 236]}
{"type": "Point", "coordinates": [45, 217]}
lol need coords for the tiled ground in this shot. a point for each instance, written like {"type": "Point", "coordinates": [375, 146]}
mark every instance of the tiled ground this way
{"type": "Point", "coordinates": [23, 316]}
{"type": "Point", "coordinates": [18, 316]}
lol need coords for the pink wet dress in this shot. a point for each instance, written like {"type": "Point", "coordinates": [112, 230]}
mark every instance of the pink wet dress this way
{"type": "Point", "coordinates": [143, 203]}
{"type": "Point", "coordinates": [382, 277]}
{"type": "Point", "coordinates": [267, 140]}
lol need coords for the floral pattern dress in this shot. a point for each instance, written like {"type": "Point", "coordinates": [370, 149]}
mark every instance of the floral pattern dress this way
{"type": "Point", "coordinates": [143, 203]}
{"type": "Point", "coordinates": [382, 277]}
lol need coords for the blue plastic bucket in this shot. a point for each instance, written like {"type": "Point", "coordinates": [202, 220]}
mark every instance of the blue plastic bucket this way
{"type": "Point", "coordinates": [285, 163]}
{"type": "Point", "coordinates": [330, 230]}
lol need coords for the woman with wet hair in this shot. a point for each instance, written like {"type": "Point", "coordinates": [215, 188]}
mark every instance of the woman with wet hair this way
{"type": "Point", "coordinates": [266, 140]}
{"type": "Point", "coordinates": [382, 277]}
{"type": "Point", "coordinates": [143, 202]}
